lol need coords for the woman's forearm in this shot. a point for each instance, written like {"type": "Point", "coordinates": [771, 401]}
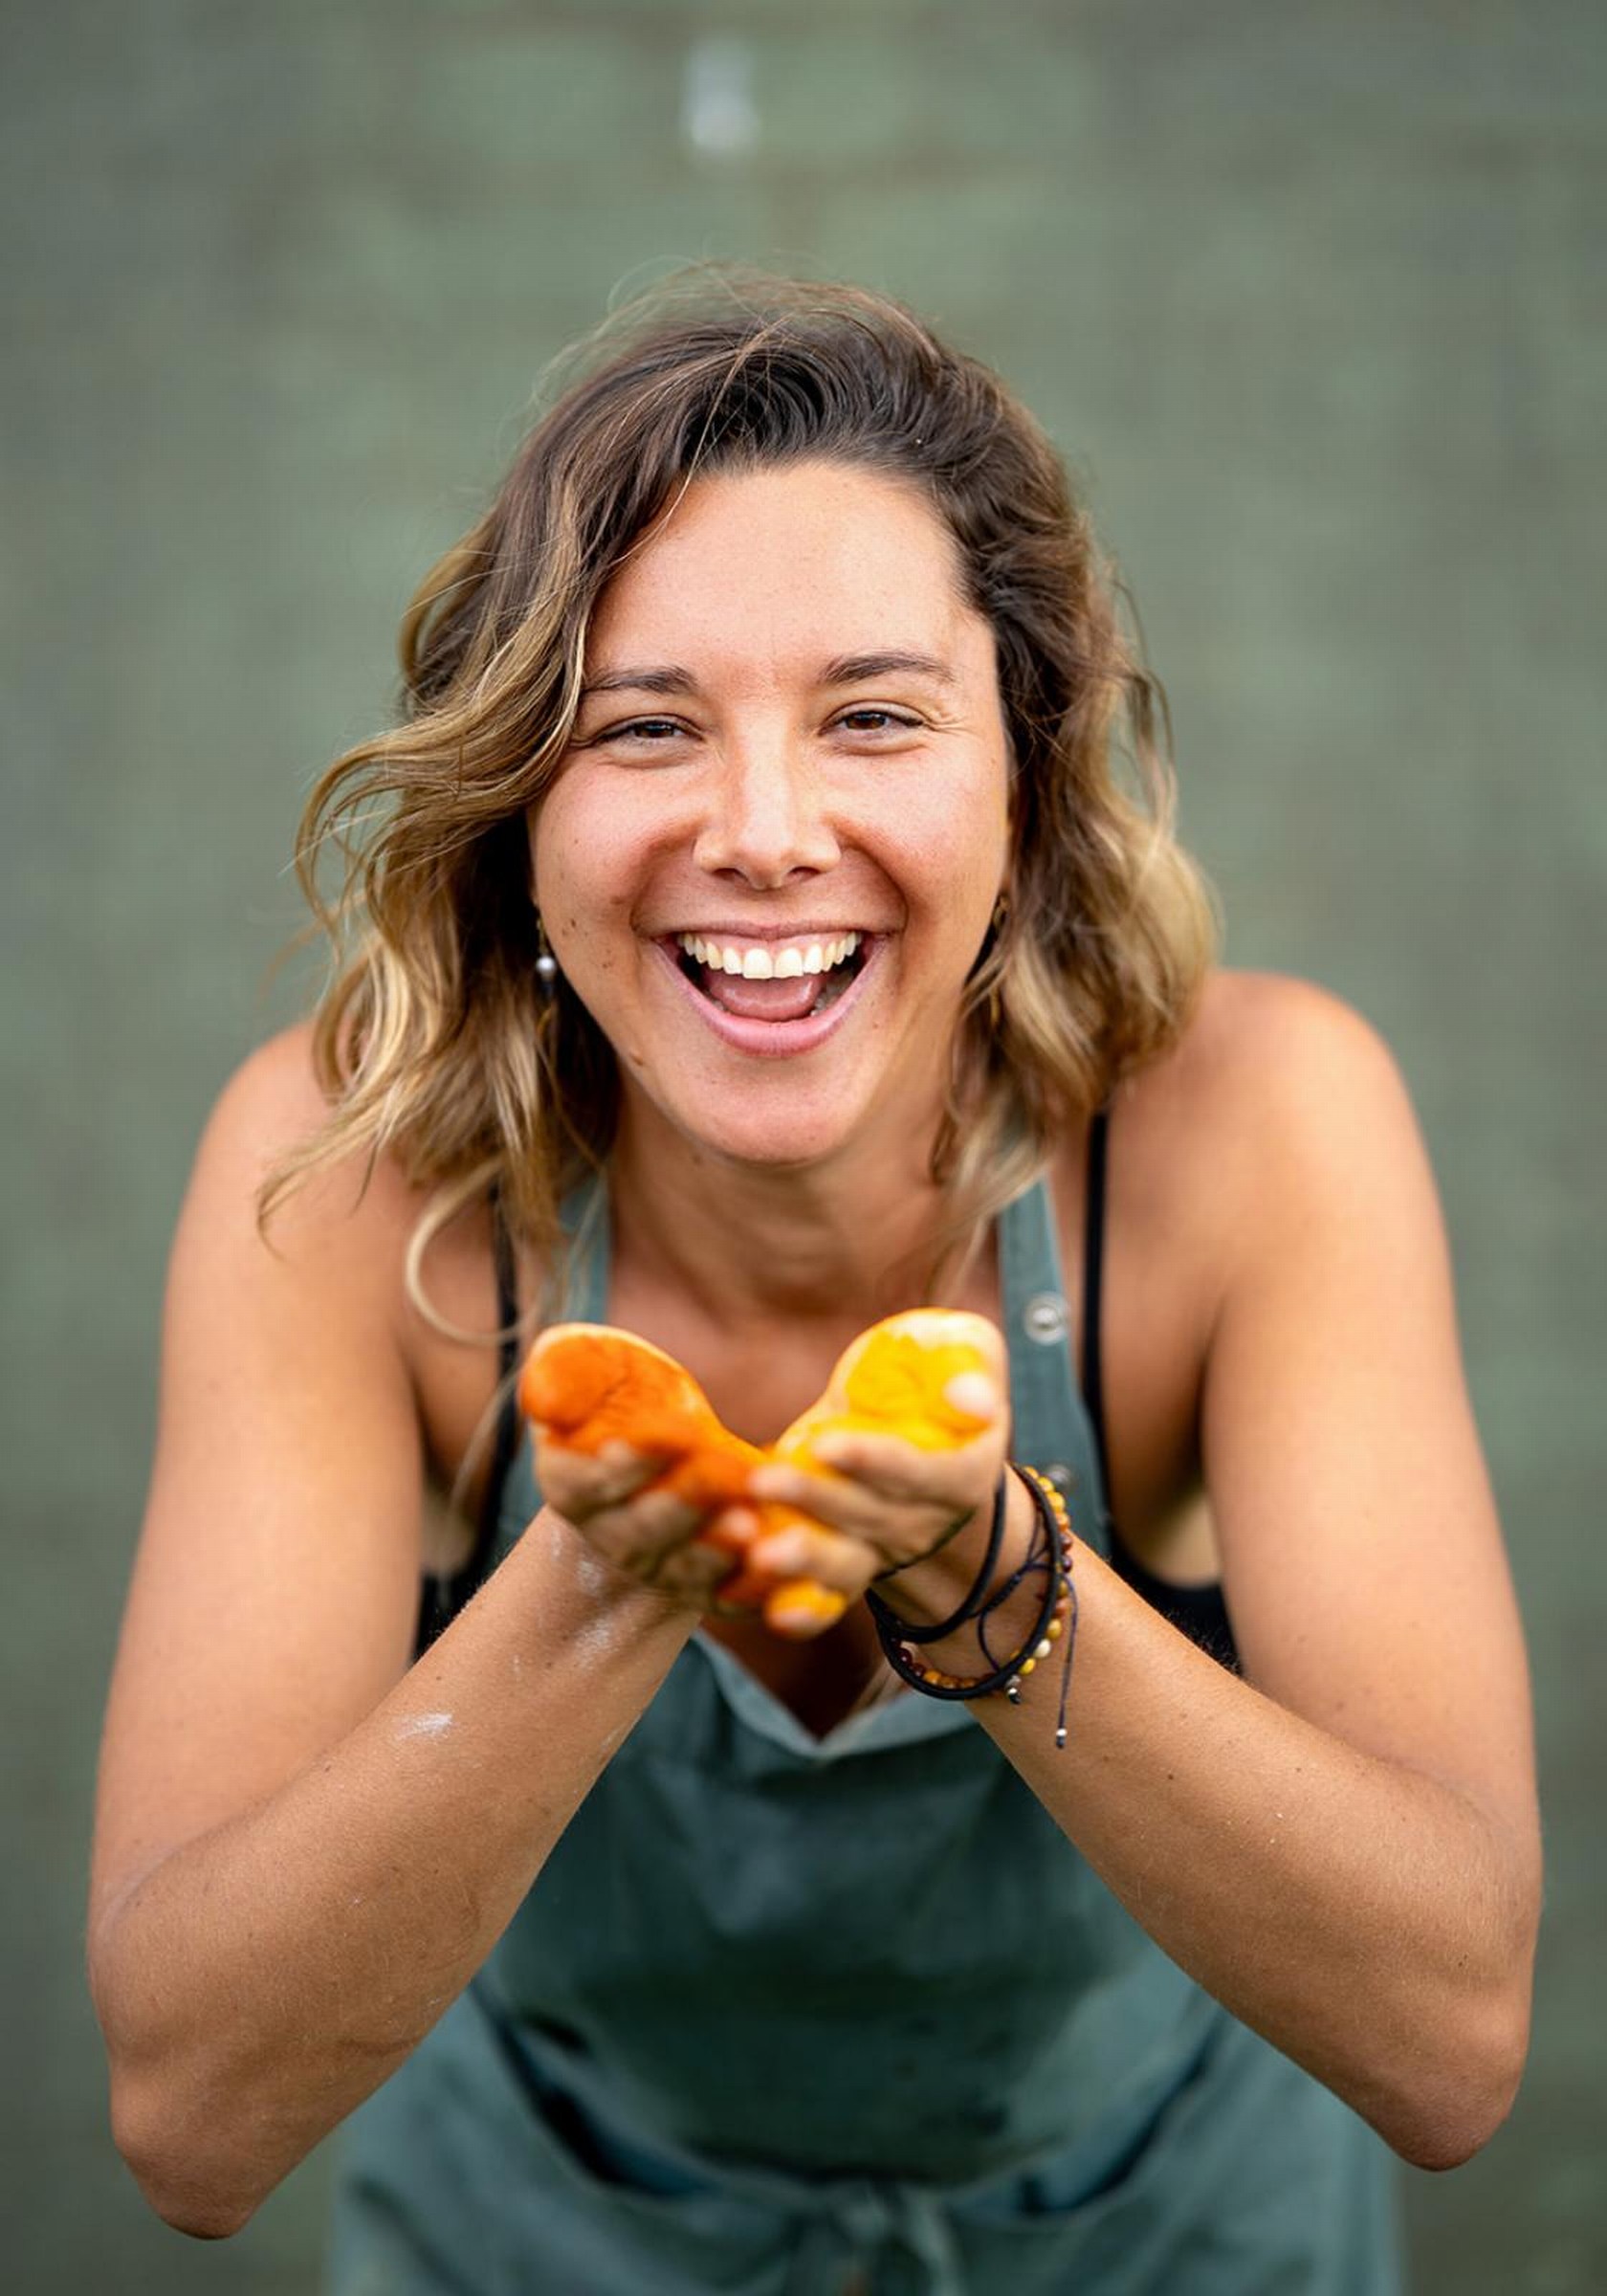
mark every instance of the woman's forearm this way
{"type": "Point", "coordinates": [1369, 1920]}
{"type": "Point", "coordinates": [263, 1979]}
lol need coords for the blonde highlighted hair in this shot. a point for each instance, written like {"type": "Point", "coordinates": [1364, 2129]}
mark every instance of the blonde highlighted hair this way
{"type": "Point", "coordinates": [435, 1042]}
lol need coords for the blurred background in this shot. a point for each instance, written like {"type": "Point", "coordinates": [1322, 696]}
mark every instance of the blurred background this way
{"type": "Point", "coordinates": [1311, 297]}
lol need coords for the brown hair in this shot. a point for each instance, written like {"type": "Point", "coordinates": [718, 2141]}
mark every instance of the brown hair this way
{"type": "Point", "coordinates": [432, 1039]}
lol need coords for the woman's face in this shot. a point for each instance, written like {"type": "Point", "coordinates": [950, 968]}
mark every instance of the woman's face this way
{"type": "Point", "coordinates": [770, 856]}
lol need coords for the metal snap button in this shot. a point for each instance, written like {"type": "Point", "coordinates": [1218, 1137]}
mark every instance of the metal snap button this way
{"type": "Point", "coordinates": [1062, 1477]}
{"type": "Point", "coordinates": [1043, 1318]}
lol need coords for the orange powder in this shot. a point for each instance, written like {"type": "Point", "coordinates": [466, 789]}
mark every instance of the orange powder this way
{"type": "Point", "coordinates": [587, 1386]}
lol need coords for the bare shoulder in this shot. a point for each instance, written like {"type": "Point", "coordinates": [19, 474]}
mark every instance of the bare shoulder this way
{"type": "Point", "coordinates": [272, 1107]}
{"type": "Point", "coordinates": [1266, 1047]}
{"type": "Point", "coordinates": [355, 1253]}
{"type": "Point", "coordinates": [275, 1084]}
{"type": "Point", "coordinates": [296, 1309]}
{"type": "Point", "coordinates": [1277, 1094]}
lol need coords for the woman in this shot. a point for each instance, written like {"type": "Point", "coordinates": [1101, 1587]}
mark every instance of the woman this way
{"type": "Point", "coordinates": [746, 936]}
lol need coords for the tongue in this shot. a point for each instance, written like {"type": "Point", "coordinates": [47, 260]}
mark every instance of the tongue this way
{"type": "Point", "coordinates": [786, 1000]}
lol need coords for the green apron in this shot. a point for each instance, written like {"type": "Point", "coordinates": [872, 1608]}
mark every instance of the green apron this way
{"type": "Point", "coordinates": [796, 2016]}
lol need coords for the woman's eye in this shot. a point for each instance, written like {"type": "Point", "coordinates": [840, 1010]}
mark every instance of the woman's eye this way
{"type": "Point", "coordinates": [878, 722]}
{"type": "Point", "coordinates": [653, 733]}
{"type": "Point", "coordinates": [642, 729]}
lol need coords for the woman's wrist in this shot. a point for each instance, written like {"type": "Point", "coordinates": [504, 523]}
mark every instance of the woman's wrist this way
{"type": "Point", "coordinates": [923, 1594]}
{"type": "Point", "coordinates": [910, 1648]}
{"type": "Point", "coordinates": [602, 1589]}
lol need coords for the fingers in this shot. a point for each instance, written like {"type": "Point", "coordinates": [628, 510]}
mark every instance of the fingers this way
{"type": "Point", "coordinates": [872, 1505]}
{"type": "Point", "coordinates": [646, 1531]}
{"type": "Point", "coordinates": [975, 1393]}
{"type": "Point", "coordinates": [650, 1533]}
{"type": "Point", "coordinates": [610, 1498]}
{"type": "Point", "coordinates": [869, 1475]}
{"type": "Point", "coordinates": [891, 1468]}
{"type": "Point", "coordinates": [800, 1608]}
{"type": "Point", "coordinates": [583, 1484]}
{"type": "Point", "coordinates": [888, 1499]}
{"type": "Point", "coordinates": [847, 1565]}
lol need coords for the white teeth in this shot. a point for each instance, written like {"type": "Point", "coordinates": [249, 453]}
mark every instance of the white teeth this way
{"type": "Point", "coordinates": [771, 960]}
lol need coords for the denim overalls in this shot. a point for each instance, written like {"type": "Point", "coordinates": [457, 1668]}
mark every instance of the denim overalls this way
{"type": "Point", "coordinates": [796, 2016]}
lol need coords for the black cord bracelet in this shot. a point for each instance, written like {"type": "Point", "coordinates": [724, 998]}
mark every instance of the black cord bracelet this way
{"type": "Point", "coordinates": [1050, 1552]}
{"type": "Point", "coordinates": [974, 1601]}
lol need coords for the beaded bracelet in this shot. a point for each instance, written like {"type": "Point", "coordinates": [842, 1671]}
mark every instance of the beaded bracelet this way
{"type": "Point", "coordinates": [1050, 1552]}
{"type": "Point", "coordinates": [978, 1604]}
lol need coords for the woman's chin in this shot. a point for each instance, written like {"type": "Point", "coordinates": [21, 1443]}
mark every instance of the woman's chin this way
{"type": "Point", "coordinates": [765, 1122]}
{"type": "Point", "coordinates": [776, 1141]}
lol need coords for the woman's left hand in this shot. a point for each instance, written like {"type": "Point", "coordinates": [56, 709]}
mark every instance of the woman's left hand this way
{"type": "Point", "coordinates": [884, 1504]}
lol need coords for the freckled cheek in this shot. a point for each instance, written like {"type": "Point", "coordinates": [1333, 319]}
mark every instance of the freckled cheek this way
{"type": "Point", "coordinates": [588, 863]}
{"type": "Point", "coordinates": [946, 859]}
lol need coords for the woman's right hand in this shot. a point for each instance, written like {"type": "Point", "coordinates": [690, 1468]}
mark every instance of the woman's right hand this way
{"type": "Point", "coordinates": [644, 1534]}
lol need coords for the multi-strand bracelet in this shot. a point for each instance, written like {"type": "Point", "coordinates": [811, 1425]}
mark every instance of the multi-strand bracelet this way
{"type": "Point", "coordinates": [1050, 1553]}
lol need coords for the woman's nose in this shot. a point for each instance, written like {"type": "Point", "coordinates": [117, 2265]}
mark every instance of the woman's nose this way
{"type": "Point", "coordinates": [767, 817]}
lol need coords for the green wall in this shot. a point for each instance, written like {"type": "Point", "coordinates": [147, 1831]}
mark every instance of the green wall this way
{"type": "Point", "coordinates": [1311, 295]}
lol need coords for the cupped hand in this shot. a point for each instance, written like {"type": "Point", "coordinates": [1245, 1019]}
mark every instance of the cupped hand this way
{"type": "Point", "coordinates": [878, 1504]}
{"type": "Point", "coordinates": [641, 1530]}
{"type": "Point", "coordinates": [901, 1454]}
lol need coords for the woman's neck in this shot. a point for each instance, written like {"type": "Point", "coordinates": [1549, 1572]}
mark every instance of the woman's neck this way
{"type": "Point", "coordinates": [848, 1241]}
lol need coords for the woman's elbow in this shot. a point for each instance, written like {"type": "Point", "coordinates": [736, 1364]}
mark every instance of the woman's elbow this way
{"type": "Point", "coordinates": [176, 2176]}
{"type": "Point", "coordinates": [1457, 2102]}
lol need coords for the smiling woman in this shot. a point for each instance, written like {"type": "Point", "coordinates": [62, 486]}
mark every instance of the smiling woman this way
{"type": "Point", "coordinates": [765, 920]}
{"type": "Point", "coordinates": [907, 573]}
{"type": "Point", "coordinates": [834, 826]}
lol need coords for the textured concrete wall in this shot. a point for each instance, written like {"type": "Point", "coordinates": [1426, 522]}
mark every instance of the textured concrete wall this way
{"type": "Point", "coordinates": [1311, 294]}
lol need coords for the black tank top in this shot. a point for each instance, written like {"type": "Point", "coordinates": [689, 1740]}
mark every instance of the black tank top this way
{"type": "Point", "coordinates": [1198, 1611]}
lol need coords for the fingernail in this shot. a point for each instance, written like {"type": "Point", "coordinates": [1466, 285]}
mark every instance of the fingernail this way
{"type": "Point", "coordinates": [973, 1391]}
{"type": "Point", "coordinates": [780, 1554]}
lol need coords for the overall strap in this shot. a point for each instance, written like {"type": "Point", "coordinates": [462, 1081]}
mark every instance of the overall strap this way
{"type": "Point", "coordinates": [1094, 1273]}
{"type": "Point", "coordinates": [1052, 1427]}
{"type": "Point", "coordinates": [580, 1293]}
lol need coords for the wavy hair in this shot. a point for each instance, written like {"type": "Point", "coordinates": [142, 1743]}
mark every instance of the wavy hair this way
{"type": "Point", "coordinates": [433, 1041]}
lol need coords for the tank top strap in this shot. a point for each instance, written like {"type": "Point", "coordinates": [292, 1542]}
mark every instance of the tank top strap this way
{"type": "Point", "coordinates": [1051, 1424]}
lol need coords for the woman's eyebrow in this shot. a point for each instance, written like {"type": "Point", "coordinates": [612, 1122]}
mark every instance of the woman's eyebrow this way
{"type": "Point", "coordinates": [855, 669]}
{"type": "Point", "coordinates": [669, 679]}
{"type": "Point", "coordinates": [843, 670]}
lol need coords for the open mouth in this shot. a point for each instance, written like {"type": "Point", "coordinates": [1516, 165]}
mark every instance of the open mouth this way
{"type": "Point", "coordinates": [773, 981]}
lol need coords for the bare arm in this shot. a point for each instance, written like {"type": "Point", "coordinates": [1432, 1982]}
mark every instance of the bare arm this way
{"type": "Point", "coordinates": [1344, 1845]}
{"type": "Point", "coordinates": [304, 1849]}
